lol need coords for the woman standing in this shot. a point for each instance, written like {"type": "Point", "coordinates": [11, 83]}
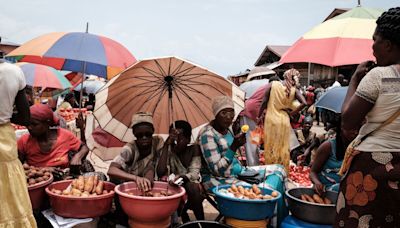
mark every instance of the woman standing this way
{"type": "Point", "coordinates": [369, 194]}
{"type": "Point", "coordinates": [278, 100]}
{"type": "Point", "coordinates": [16, 209]}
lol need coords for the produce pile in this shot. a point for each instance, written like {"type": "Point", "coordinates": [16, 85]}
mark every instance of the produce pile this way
{"type": "Point", "coordinates": [152, 194]}
{"type": "Point", "coordinates": [254, 192]}
{"type": "Point", "coordinates": [300, 175]}
{"type": "Point", "coordinates": [315, 199]}
{"type": "Point", "coordinates": [84, 187]}
{"type": "Point", "coordinates": [35, 175]}
{"type": "Point", "coordinates": [18, 127]}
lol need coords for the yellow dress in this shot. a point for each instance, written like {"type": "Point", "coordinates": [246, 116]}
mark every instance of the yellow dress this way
{"type": "Point", "coordinates": [15, 207]}
{"type": "Point", "coordinates": [277, 126]}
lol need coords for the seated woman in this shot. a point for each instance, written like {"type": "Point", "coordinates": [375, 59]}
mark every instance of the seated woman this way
{"type": "Point", "coordinates": [138, 158]}
{"type": "Point", "coordinates": [183, 160]}
{"type": "Point", "coordinates": [326, 165]}
{"type": "Point", "coordinates": [47, 145]}
{"type": "Point", "coordinates": [219, 145]}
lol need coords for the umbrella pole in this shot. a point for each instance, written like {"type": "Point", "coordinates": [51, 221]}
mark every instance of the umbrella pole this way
{"type": "Point", "coordinates": [81, 91]}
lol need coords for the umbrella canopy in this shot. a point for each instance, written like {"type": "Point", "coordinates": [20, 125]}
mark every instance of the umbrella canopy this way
{"type": "Point", "coordinates": [169, 87]}
{"type": "Point", "coordinates": [333, 99]}
{"type": "Point", "coordinates": [77, 52]}
{"type": "Point", "coordinates": [259, 71]}
{"type": "Point", "coordinates": [251, 87]}
{"type": "Point", "coordinates": [37, 75]}
{"type": "Point", "coordinates": [90, 86]}
{"type": "Point", "coordinates": [343, 40]}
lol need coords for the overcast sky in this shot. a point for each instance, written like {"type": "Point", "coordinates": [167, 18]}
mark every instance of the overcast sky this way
{"type": "Point", "coordinates": [227, 36]}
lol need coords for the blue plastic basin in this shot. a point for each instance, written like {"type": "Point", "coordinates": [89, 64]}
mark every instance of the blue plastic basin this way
{"type": "Point", "coordinates": [245, 209]}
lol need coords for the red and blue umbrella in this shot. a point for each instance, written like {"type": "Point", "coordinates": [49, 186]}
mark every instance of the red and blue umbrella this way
{"type": "Point", "coordinates": [42, 76]}
{"type": "Point", "coordinates": [76, 52]}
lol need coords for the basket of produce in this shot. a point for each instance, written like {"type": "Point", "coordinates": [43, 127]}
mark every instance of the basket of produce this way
{"type": "Point", "coordinates": [246, 202]}
{"type": "Point", "coordinates": [37, 179]}
{"type": "Point", "coordinates": [308, 206]}
{"type": "Point", "coordinates": [153, 207]}
{"type": "Point", "coordinates": [81, 198]}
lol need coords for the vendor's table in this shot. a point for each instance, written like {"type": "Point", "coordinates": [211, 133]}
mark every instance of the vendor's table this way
{"type": "Point", "coordinates": [293, 222]}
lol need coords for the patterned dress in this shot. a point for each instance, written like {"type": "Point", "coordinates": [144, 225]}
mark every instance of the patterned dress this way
{"type": "Point", "coordinates": [369, 195]}
{"type": "Point", "coordinates": [277, 126]}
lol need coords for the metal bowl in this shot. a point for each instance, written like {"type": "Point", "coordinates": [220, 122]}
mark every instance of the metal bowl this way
{"type": "Point", "coordinates": [311, 212]}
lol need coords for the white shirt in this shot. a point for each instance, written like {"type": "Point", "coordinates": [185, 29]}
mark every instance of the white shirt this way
{"type": "Point", "coordinates": [12, 80]}
{"type": "Point", "coordinates": [335, 84]}
{"type": "Point", "coordinates": [381, 87]}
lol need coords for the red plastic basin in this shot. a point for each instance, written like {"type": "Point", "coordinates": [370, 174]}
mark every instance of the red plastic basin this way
{"type": "Point", "coordinates": [80, 207]}
{"type": "Point", "coordinates": [147, 210]}
{"type": "Point", "coordinates": [37, 193]}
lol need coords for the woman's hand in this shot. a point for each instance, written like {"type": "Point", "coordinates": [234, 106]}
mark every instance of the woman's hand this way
{"type": "Point", "coordinates": [76, 160]}
{"type": "Point", "coordinates": [238, 141]}
{"type": "Point", "coordinates": [319, 188]}
{"type": "Point", "coordinates": [362, 70]}
{"type": "Point", "coordinates": [143, 184]}
{"type": "Point", "coordinates": [173, 137]}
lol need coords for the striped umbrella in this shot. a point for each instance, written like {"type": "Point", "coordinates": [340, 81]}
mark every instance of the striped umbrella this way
{"type": "Point", "coordinates": [42, 76]}
{"type": "Point", "coordinates": [343, 40]}
{"type": "Point", "coordinates": [77, 52]}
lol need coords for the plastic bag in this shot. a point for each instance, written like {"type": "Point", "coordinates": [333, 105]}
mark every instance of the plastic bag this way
{"type": "Point", "coordinates": [257, 135]}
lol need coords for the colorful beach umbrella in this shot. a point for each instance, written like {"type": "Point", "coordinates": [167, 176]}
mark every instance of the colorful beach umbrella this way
{"type": "Point", "coordinates": [169, 87]}
{"type": "Point", "coordinates": [42, 76]}
{"type": "Point", "coordinates": [77, 52]}
{"type": "Point", "coordinates": [343, 40]}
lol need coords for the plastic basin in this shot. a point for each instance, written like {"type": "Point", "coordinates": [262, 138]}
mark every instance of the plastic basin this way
{"type": "Point", "coordinates": [245, 209]}
{"type": "Point", "coordinates": [311, 212]}
{"type": "Point", "coordinates": [80, 207]}
{"type": "Point", "coordinates": [37, 193]}
{"type": "Point", "coordinates": [148, 210]}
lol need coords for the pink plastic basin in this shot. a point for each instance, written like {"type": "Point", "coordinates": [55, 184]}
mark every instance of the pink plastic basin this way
{"type": "Point", "coordinates": [37, 193]}
{"type": "Point", "coordinates": [80, 207]}
{"type": "Point", "coordinates": [149, 209]}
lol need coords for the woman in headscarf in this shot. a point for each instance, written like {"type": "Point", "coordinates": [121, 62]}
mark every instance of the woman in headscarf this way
{"type": "Point", "coordinates": [15, 208]}
{"type": "Point", "coordinates": [48, 145]}
{"type": "Point", "coordinates": [279, 100]}
{"type": "Point", "coordinates": [219, 146]}
{"type": "Point", "coordinates": [369, 194]}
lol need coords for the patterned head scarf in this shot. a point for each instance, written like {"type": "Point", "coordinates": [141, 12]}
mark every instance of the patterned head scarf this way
{"type": "Point", "coordinates": [289, 78]}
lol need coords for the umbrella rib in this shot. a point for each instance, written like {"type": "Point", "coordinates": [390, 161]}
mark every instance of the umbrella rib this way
{"type": "Point", "coordinates": [153, 73]}
{"type": "Point", "coordinates": [203, 84]}
{"type": "Point", "coordinates": [169, 66]}
{"type": "Point", "coordinates": [160, 68]}
{"type": "Point", "coordinates": [121, 94]}
{"type": "Point", "coordinates": [163, 91]}
{"type": "Point", "coordinates": [187, 70]}
{"type": "Point", "coordinates": [180, 102]}
{"type": "Point", "coordinates": [190, 98]}
{"type": "Point", "coordinates": [178, 68]}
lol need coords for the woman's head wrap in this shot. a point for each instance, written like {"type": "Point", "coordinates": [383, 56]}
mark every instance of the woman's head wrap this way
{"type": "Point", "coordinates": [221, 102]}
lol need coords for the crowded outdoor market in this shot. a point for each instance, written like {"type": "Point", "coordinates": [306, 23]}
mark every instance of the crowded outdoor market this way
{"type": "Point", "coordinates": [93, 136]}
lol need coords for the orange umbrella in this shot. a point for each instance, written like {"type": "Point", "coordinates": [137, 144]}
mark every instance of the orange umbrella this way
{"type": "Point", "coordinates": [171, 88]}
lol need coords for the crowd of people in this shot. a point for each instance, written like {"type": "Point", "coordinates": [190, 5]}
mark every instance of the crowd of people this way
{"type": "Point", "coordinates": [369, 122]}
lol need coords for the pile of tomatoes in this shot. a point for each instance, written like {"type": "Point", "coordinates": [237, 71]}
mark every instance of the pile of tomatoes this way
{"type": "Point", "coordinates": [300, 175]}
